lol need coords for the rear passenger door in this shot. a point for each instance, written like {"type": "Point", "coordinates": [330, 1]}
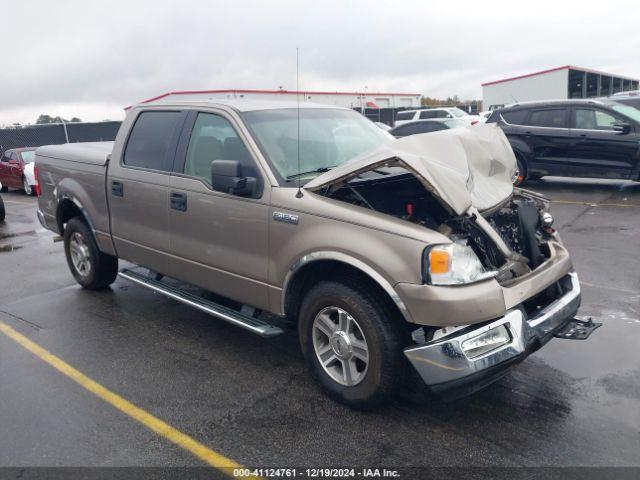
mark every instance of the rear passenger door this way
{"type": "Point", "coordinates": [546, 132]}
{"type": "Point", "coordinates": [218, 239]}
{"type": "Point", "coordinates": [138, 189]}
{"type": "Point", "coordinates": [599, 150]}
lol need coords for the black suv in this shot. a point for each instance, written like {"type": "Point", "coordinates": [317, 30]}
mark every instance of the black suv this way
{"type": "Point", "coordinates": [573, 138]}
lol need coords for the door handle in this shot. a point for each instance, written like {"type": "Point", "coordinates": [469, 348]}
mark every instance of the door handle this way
{"type": "Point", "coordinates": [117, 189]}
{"type": "Point", "coordinates": [178, 201]}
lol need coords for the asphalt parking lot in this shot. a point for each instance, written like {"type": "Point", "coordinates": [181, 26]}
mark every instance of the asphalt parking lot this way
{"type": "Point", "coordinates": [573, 403]}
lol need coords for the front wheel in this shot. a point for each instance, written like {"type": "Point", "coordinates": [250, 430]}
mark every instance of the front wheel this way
{"type": "Point", "coordinates": [521, 175]}
{"type": "Point", "coordinates": [352, 343]}
{"type": "Point", "coordinates": [91, 268]}
{"type": "Point", "coordinates": [1, 211]}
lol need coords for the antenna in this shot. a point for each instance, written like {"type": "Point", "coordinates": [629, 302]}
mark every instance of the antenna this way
{"type": "Point", "coordinates": [299, 193]}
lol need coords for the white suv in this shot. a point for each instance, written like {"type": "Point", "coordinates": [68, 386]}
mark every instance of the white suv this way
{"type": "Point", "coordinates": [407, 116]}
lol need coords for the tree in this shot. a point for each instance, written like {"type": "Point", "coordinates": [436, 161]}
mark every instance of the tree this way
{"type": "Point", "coordinates": [43, 119]}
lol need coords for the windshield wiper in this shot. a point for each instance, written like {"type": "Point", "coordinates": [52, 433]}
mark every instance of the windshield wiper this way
{"type": "Point", "coordinates": [302, 174]}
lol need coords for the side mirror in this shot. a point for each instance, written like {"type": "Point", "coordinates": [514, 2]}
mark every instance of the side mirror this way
{"type": "Point", "coordinates": [226, 176]}
{"type": "Point", "coordinates": [622, 128]}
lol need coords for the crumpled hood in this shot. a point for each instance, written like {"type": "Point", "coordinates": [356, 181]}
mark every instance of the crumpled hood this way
{"type": "Point", "coordinates": [464, 167]}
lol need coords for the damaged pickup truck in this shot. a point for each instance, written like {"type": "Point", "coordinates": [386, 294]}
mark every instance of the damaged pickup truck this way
{"type": "Point", "coordinates": [383, 253]}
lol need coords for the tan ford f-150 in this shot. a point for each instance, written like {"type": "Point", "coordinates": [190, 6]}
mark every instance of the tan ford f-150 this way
{"type": "Point", "coordinates": [383, 253]}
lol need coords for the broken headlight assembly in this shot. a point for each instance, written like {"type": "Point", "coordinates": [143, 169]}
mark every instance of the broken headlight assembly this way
{"type": "Point", "coordinates": [454, 264]}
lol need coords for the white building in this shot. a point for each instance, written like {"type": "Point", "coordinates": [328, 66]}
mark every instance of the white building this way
{"type": "Point", "coordinates": [556, 83]}
{"type": "Point", "coordinates": [344, 99]}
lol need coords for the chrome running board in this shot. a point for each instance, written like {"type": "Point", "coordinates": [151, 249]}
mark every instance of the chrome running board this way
{"type": "Point", "coordinates": [254, 325]}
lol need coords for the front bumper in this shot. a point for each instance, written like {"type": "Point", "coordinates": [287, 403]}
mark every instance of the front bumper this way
{"type": "Point", "coordinates": [444, 366]}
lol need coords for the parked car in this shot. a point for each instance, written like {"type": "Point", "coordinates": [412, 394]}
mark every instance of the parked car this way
{"type": "Point", "coordinates": [631, 98]}
{"type": "Point", "coordinates": [426, 126]}
{"type": "Point", "coordinates": [406, 116]}
{"type": "Point", "coordinates": [2, 212]}
{"type": "Point", "coordinates": [573, 138]}
{"type": "Point", "coordinates": [17, 169]}
{"type": "Point", "coordinates": [376, 250]}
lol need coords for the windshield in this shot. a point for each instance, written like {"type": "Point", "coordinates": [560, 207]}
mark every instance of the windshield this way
{"type": "Point", "coordinates": [28, 156]}
{"type": "Point", "coordinates": [629, 112]}
{"type": "Point", "coordinates": [456, 112]}
{"type": "Point", "coordinates": [327, 138]}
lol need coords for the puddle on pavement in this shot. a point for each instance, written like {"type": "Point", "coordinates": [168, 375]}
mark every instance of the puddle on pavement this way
{"type": "Point", "coordinates": [4, 236]}
{"type": "Point", "coordinates": [9, 248]}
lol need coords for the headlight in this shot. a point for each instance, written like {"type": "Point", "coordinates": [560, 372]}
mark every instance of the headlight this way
{"type": "Point", "coordinates": [454, 264]}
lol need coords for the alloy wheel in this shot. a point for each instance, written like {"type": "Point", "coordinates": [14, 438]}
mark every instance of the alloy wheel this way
{"type": "Point", "coordinates": [80, 256]}
{"type": "Point", "coordinates": [340, 346]}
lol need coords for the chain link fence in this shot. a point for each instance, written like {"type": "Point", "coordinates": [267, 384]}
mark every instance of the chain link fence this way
{"type": "Point", "coordinates": [57, 133]}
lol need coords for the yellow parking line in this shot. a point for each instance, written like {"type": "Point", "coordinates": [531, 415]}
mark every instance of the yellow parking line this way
{"type": "Point", "coordinates": [204, 453]}
{"type": "Point", "coordinates": [570, 202]}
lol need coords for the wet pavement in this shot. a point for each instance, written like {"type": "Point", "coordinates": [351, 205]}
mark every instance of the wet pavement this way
{"type": "Point", "coordinates": [573, 403]}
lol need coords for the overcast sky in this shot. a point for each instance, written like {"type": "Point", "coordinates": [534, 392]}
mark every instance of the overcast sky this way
{"type": "Point", "coordinates": [92, 58]}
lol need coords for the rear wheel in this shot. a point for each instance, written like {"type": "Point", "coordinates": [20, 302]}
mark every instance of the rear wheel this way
{"type": "Point", "coordinates": [4, 189]}
{"type": "Point", "coordinates": [26, 187]}
{"type": "Point", "coordinates": [91, 268]}
{"type": "Point", "coordinates": [1, 211]}
{"type": "Point", "coordinates": [352, 343]}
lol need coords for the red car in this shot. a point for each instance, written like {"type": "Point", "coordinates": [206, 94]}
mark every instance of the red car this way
{"type": "Point", "coordinates": [12, 169]}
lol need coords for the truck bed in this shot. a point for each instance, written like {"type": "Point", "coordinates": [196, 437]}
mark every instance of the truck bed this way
{"type": "Point", "coordinates": [77, 172]}
{"type": "Point", "coordinates": [95, 153]}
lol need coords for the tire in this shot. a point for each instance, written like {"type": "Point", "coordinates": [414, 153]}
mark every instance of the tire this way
{"type": "Point", "coordinates": [373, 322]}
{"type": "Point", "coordinates": [4, 189]}
{"type": "Point", "coordinates": [522, 171]}
{"type": "Point", "coordinates": [91, 268]}
{"type": "Point", "coordinates": [2, 213]}
{"type": "Point", "coordinates": [26, 187]}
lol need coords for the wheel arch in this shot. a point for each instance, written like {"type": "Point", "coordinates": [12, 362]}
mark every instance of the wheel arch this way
{"type": "Point", "coordinates": [69, 207]}
{"type": "Point", "coordinates": [327, 265]}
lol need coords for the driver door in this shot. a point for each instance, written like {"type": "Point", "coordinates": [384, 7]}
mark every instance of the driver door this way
{"type": "Point", "coordinates": [219, 241]}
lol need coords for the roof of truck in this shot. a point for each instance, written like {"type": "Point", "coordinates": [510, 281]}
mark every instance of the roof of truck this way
{"type": "Point", "coordinates": [240, 104]}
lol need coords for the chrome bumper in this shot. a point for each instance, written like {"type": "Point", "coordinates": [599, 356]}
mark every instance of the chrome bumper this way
{"type": "Point", "coordinates": [443, 361]}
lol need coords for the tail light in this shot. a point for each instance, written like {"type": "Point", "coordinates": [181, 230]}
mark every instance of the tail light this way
{"type": "Point", "coordinates": [473, 122]}
{"type": "Point", "coordinates": [37, 188]}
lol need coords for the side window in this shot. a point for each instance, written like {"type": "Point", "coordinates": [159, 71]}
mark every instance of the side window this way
{"type": "Point", "coordinates": [551, 118]}
{"type": "Point", "coordinates": [514, 117]}
{"type": "Point", "coordinates": [426, 127]}
{"type": "Point", "coordinates": [404, 115]}
{"type": "Point", "coordinates": [402, 130]}
{"type": "Point", "coordinates": [214, 138]}
{"type": "Point", "coordinates": [443, 114]}
{"type": "Point", "coordinates": [149, 141]}
{"type": "Point", "coordinates": [427, 114]}
{"type": "Point", "coordinates": [591, 119]}
{"type": "Point", "coordinates": [414, 128]}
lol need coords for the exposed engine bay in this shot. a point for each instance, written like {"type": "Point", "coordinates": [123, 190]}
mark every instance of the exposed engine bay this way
{"type": "Point", "coordinates": [518, 221]}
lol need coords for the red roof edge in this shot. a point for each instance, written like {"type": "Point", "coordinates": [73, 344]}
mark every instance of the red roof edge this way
{"type": "Point", "coordinates": [192, 92]}
{"type": "Point", "coordinates": [542, 72]}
